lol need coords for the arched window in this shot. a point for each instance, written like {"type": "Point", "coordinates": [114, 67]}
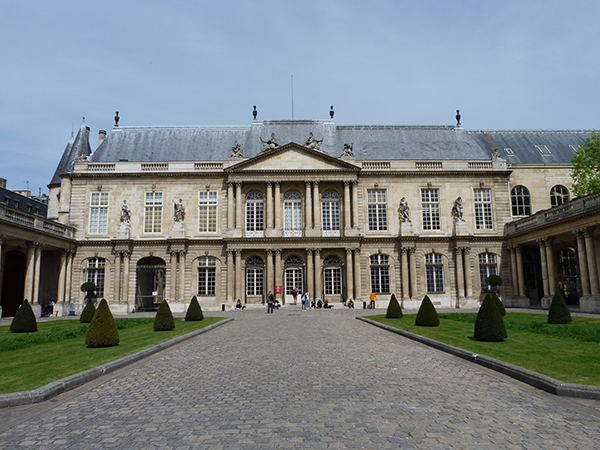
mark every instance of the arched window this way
{"type": "Point", "coordinates": [330, 207]}
{"type": "Point", "coordinates": [255, 214]}
{"type": "Point", "coordinates": [292, 214]}
{"type": "Point", "coordinates": [520, 201]}
{"type": "Point", "coordinates": [206, 275]}
{"type": "Point", "coordinates": [434, 271]}
{"type": "Point", "coordinates": [332, 275]}
{"type": "Point", "coordinates": [380, 273]}
{"type": "Point", "coordinates": [255, 276]}
{"type": "Point", "coordinates": [559, 195]}
{"type": "Point", "coordinates": [487, 266]}
{"type": "Point", "coordinates": [95, 274]}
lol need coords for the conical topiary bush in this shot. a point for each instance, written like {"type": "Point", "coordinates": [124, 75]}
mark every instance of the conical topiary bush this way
{"type": "Point", "coordinates": [394, 311]}
{"type": "Point", "coordinates": [24, 320]}
{"type": "Point", "coordinates": [164, 318]}
{"type": "Point", "coordinates": [88, 312]}
{"type": "Point", "coordinates": [427, 315]}
{"type": "Point", "coordinates": [489, 325]}
{"type": "Point", "coordinates": [194, 311]}
{"type": "Point", "coordinates": [102, 331]}
{"type": "Point", "coordinates": [499, 304]}
{"type": "Point", "coordinates": [559, 311]}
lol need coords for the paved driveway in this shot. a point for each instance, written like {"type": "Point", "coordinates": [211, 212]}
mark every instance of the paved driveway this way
{"type": "Point", "coordinates": [313, 380]}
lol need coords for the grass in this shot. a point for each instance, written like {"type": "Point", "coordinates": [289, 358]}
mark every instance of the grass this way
{"type": "Point", "coordinates": [569, 353]}
{"type": "Point", "coordinates": [57, 349]}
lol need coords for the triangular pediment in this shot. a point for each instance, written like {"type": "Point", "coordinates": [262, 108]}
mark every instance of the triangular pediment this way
{"type": "Point", "coordinates": [292, 156]}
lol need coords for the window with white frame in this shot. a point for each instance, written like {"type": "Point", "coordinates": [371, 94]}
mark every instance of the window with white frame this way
{"type": "Point", "coordinates": [520, 201]}
{"type": "Point", "coordinates": [487, 266]}
{"type": "Point", "coordinates": [153, 213]}
{"type": "Point", "coordinates": [377, 209]}
{"type": "Point", "coordinates": [330, 208]}
{"type": "Point", "coordinates": [255, 275]}
{"type": "Point", "coordinates": [332, 275]}
{"type": "Point", "coordinates": [483, 209]}
{"type": "Point", "coordinates": [430, 205]}
{"type": "Point", "coordinates": [206, 275]}
{"type": "Point", "coordinates": [559, 195]}
{"type": "Point", "coordinates": [98, 212]}
{"type": "Point", "coordinates": [292, 214]}
{"type": "Point", "coordinates": [207, 211]}
{"type": "Point", "coordinates": [380, 274]}
{"type": "Point", "coordinates": [95, 274]}
{"type": "Point", "coordinates": [255, 214]}
{"type": "Point", "coordinates": [434, 270]}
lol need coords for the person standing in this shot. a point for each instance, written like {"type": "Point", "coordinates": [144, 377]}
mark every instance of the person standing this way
{"type": "Point", "coordinates": [270, 302]}
{"type": "Point", "coordinates": [373, 296]}
{"type": "Point", "coordinates": [305, 300]}
{"type": "Point", "coordinates": [295, 292]}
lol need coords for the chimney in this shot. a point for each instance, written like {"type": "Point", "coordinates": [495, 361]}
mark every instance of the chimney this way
{"type": "Point", "coordinates": [3, 182]}
{"type": "Point", "coordinates": [101, 137]}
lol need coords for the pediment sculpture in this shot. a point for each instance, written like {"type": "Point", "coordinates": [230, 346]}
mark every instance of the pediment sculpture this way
{"type": "Point", "coordinates": [270, 144]}
{"type": "Point", "coordinates": [348, 150]}
{"type": "Point", "coordinates": [314, 144]}
{"type": "Point", "coordinates": [236, 152]}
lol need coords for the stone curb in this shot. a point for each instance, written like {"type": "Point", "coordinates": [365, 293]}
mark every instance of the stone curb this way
{"type": "Point", "coordinates": [526, 376]}
{"type": "Point", "coordinates": [71, 382]}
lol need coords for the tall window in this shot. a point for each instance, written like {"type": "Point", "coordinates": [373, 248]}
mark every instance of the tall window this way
{"type": "Point", "coordinates": [207, 211]}
{"type": "Point", "coordinates": [434, 268]}
{"type": "Point", "coordinates": [332, 271]}
{"type": "Point", "coordinates": [377, 204]}
{"type": "Point", "coordinates": [206, 275]}
{"type": "Point", "coordinates": [520, 201]}
{"type": "Point", "coordinates": [430, 204]}
{"type": "Point", "coordinates": [95, 274]}
{"type": "Point", "coordinates": [98, 212]}
{"type": "Point", "coordinates": [483, 209]}
{"type": "Point", "coordinates": [559, 195]}
{"type": "Point", "coordinates": [380, 274]}
{"type": "Point", "coordinates": [153, 215]}
{"type": "Point", "coordinates": [254, 276]}
{"type": "Point", "coordinates": [487, 267]}
{"type": "Point", "coordinates": [255, 214]}
{"type": "Point", "coordinates": [330, 207]}
{"type": "Point", "coordinates": [292, 214]}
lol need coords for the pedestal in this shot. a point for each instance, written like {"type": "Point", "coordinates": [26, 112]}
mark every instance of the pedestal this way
{"type": "Point", "coordinates": [123, 231]}
{"type": "Point", "coordinates": [406, 229]}
{"type": "Point", "coordinates": [178, 230]}
{"type": "Point", "coordinates": [461, 228]}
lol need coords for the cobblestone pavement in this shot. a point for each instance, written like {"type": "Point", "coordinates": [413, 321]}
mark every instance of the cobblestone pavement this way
{"type": "Point", "coordinates": [314, 380]}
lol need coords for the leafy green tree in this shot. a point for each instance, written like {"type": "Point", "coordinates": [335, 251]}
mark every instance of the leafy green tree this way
{"type": "Point", "coordinates": [194, 311]}
{"type": "Point", "coordinates": [586, 166]}
{"type": "Point", "coordinates": [24, 320]}
{"type": "Point", "coordinates": [102, 331]}
{"type": "Point", "coordinates": [427, 315]}
{"type": "Point", "coordinates": [164, 318]}
{"type": "Point", "coordinates": [394, 311]}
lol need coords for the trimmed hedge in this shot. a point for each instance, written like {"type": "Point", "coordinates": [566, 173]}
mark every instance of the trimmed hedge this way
{"type": "Point", "coordinates": [427, 315]}
{"type": "Point", "coordinates": [88, 312]}
{"type": "Point", "coordinates": [194, 311]}
{"type": "Point", "coordinates": [489, 325]}
{"type": "Point", "coordinates": [102, 331]}
{"type": "Point", "coordinates": [559, 311]}
{"type": "Point", "coordinates": [394, 311]}
{"type": "Point", "coordinates": [164, 318]}
{"type": "Point", "coordinates": [24, 320]}
{"type": "Point", "coordinates": [499, 304]}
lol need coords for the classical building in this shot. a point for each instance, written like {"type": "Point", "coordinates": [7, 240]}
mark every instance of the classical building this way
{"type": "Point", "coordinates": [227, 213]}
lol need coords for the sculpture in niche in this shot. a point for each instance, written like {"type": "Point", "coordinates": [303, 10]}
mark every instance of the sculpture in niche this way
{"type": "Point", "coordinates": [125, 213]}
{"type": "Point", "coordinates": [348, 150]}
{"type": "Point", "coordinates": [404, 211]}
{"type": "Point", "coordinates": [457, 210]}
{"type": "Point", "coordinates": [270, 144]}
{"type": "Point", "coordinates": [179, 213]}
{"type": "Point", "coordinates": [236, 152]}
{"type": "Point", "coordinates": [311, 142]}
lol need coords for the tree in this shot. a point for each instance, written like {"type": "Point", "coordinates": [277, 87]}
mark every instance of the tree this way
{"type": "Point", "coordinates": [586, 166]}
{"type": "Point", "coordinates": [163, 321]}
{"type": "Point", "coordinates": [24, 320]}
{"type": "Point", "coordinates": [489, 325]}
{"type": "Point", "coordinates": [88, 312]}
{"type": "Point", "coordinates": [427, 315]}
{"type": "Point", "coordinates": [88, 287]}
{"type": "Point", "coordinates": [559, 311]}
{"type": "Point", "coordinates": [394, 311]}
{"type": "Point", "coordinates": [103, 331]}
{"type": "Point", "coordinates": [194, 311]}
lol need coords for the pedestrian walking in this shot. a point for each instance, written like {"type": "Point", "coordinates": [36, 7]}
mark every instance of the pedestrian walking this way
{"type": "Point", "coordinates": [270, 302]}
{"type": "Point", "coordinates": [372, 304]}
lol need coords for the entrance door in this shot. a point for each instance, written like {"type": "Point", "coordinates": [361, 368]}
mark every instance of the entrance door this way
{"type": "Point", "coordinates": [531, 282]}
{"type": "Point", "coordinates": [150, 291]}
{"type": "Point", "coordinates": [294, 277]}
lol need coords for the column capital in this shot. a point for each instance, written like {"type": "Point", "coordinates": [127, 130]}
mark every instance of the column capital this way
{"type": "Point", "coordinates": [357, 251]}
{"type": "Point", "coordinates": [412, 250]}
{"type": "Point", "coordinates": [458, 250]}
{"type": "Point", "coordinates": [349, 251]}
{"type": "Point", "coordinates": [229, 253]}
{"type": "Point", "coordinates": [238, 252]}
{"type": "Point", "coordinates": [238, 184]}
{"type": "Point", "coordinates": [541, 242]}
{"type": "Point", "coordinates": [276, 183]}
{"type": "Point", "coordinates": [230, 184]}
{"type": "Point", "coordinates": [403, 250]}
{"type": "Point", "coordinates": [317, 252]}
{"type": "Point", "coordinates": [269, 183]}
{"type": "Point", "coordinates": [316, 183]}
{"type": "Point", "coordinates": [347, 183]}
{"type": "Point", "coordinates": [467, 250]}
{"type": "Point", "coordinates": [127, 254]}
{"type": "Point", "coordinates": [182, 252]}
{"type": "Point", "coordinates": [278, 252]}
{"type": "Point", "coordinates": [310, 250]}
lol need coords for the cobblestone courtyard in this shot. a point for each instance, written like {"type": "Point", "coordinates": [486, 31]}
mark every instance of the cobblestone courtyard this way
{"type": "Point", "coordinates": [313, 380]}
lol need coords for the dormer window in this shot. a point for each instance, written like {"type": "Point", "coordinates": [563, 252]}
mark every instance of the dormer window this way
{"type": "Point", "coordinates": [543, 150]}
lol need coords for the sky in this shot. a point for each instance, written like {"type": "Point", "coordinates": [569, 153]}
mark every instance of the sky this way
{"type": "Point", "coordinates": [506, 65]}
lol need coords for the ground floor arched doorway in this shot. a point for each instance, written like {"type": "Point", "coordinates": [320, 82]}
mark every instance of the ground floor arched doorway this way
{"type": "Point", "coordinates": [150, 283]}
{"type": "Point", "coordinates": [293, 278]}
{"type": "Point", "coordinates": [13, 282]}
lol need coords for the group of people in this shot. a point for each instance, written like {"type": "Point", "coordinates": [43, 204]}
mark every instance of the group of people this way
{"type": "Point", "coordinates": [307, 302]}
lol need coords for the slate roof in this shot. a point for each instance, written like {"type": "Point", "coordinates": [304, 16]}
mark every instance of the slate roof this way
{"type": "Point", "coordinates": [74, 148]}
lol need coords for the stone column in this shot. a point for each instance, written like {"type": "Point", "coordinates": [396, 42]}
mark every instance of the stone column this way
{"type": "Point", "coordinates": [277, 200]}
{"type": "Point", "coordinates": [404, 271]}
{"type": "Point", "coordinates": [583, 266]}
{"type": "Point", "coordinates": [230, 207]}
{"type": "Point", "coordinates": [117, 287]}
{"type": "Point", "coordinates": [30, 272]}
{"type": "Point", "coordinates": [60, 300]}
{"type": "Point", "coordinates": [355, 204]}
{"type": "Point", "coordinates": [412, 263]}
{"type": "Point", "coordinates": [468, 274]}
{"type": "Point", "coordinates": [542, 244]}
{"type": "Point", "coordinates": [357, 273]}
{"type": "Point", "coordinates": [520, 271]}
{"type": "Point", "coordinates": [460, 276]}
{"type": "Point", "coordinates": [230, 277]}
{"type": "Point", "coordinates": [310, 272]}
{"type": "Point", "coordinates": [36, 276]}
{"type": "Point", "coordinates": [349, 274]}
{"type": "Point", "coordinates": [551, 261]}
{"type": "Point", "coordinates": [239, 293]}
{"type": "Point", "coordinates": [591, 261]}
{"type": "Point", "coordinates": [514, 285]}
{"type": "Point", "coordinates": [181, 290]}
{"type": "Point", "coordinates": [173, 279]}
{"type": "Point", "coordinates": [316, 207]}
{"type": "Point", "coordinates": [239, 205]}
{"type": "Point", "coordinates": [125, 289]}
{"type": "Point", "coordinates": [278, 272]}
{"type": "Point", "coordinates": [270, 271]}
{"type": "Point", "coordinates": [309, 219]}
{"type": "Point", "coordinates": [269, 218]}
{"type": "Point", "coordinates": [318, 275]}
{"type": "Point", "coordinates": [347, 206]}
{"type": "Point", "coordinates": [69, 275]}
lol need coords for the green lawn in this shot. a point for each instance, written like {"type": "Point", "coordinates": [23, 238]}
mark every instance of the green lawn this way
{"type": "Point", "coordinates": [57, 349]}
{"type": "Point", "coordinates": [569, 353]}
